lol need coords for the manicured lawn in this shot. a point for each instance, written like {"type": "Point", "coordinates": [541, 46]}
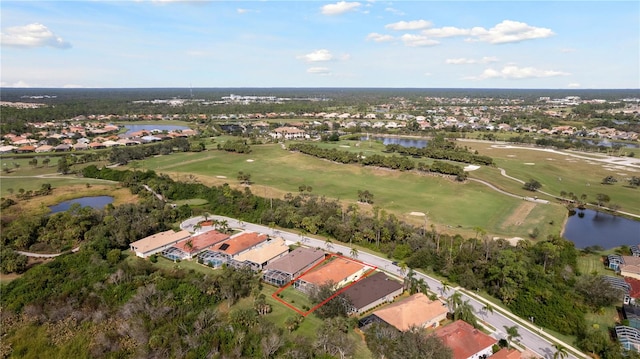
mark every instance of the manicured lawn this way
{"type": "Point", "coordinates": [450, 205]}
{"type": "Point", "coordinates": [592, 263]}
{"type": "Point", "coordinates": [192, 202]}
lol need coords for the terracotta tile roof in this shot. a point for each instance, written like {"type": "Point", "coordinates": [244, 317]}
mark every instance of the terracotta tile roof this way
{"type": "Point", "coordinates": [201, 241]}
{"type": "Point", "coordinates": [336, 271]}
{"type": "Point", "coordinates": [464, 339]}
{"type": "Point", "coordinates": [240, 243]}
{"type": "Point", "coordinates": [416, 310]}
{"type": "Point", "coordinates": [505, 353]}
{"type": "Point", "coordinates": [635, 287]}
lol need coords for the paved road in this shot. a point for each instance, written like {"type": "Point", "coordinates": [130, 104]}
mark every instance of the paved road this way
{"type": "Point", "coordinates": [45, 255]}
{"type": "Point", "coordinates": [499, 319]}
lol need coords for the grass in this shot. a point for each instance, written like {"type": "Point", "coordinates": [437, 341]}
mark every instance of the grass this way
{"type": "Point", "coordinates": [593, 263]}
{"type": "Point", "coordinates": [192, 202]}
{"type": "Point", "coordinates": [296, 298]}
{"type": "Point", "coordinates": [557, 172]}
{"type": "Point", "coordinates": [451, 206]}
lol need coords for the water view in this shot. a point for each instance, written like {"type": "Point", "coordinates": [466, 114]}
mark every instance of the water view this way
{"type": "Point", "coordinates": [402, 141]}
{"type": "Point", "coordinates": [590, 228]}
{"type": "Point", "coordinates": [151, 127]}
{"type": "Point", "coordinates": [97, 202]}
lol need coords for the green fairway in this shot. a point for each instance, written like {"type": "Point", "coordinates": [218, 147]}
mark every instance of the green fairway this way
{"type": "Point", "coordinates": [452, 206]}
{"type": "Point", "coordinates": [559, 172]}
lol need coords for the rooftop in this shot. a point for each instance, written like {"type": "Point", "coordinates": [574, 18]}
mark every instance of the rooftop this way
{"type": "Point", "coordinates": [264, 252]}
{"type": "Point", "coordinates": [464, 339]}
{"type": "Point", "coordinates": [297, 260]}
{"type": "Point", "coordinates": [371, 288]}
{"type": "Point", "coordinates": [158, 240]}
{"type": "Point", "coordinates": [336, 271]}
{"type": "Point", "coordinates": [201, 241]}
{"type": "Point", "coordinates": [505, 353]}
{"type": "Point", "coordinates": [240, 243]}
{"type": "Point", "coordinates": [413, 311]}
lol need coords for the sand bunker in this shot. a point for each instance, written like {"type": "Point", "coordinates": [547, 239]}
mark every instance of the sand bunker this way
{"type": "Point", "coordinates": [471, 168]}
{"type": "Point", "coordinates": [529, 163]}
{"type": "Point", "coordinates": [249, 160]}
{"type": "Point", "coordinates": [221, 176]}
{"type": "Point", "coordinates": [421, 214]}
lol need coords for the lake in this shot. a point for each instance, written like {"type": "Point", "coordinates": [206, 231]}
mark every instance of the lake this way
{"type": "Point", "coordinates": [159, 128]}
{"type": "Point", "coordinates": [402, 141]}
{"type": "Point", "coordinates": [97, 202]}
{"type": "Point", "coordinates": [589, 228]}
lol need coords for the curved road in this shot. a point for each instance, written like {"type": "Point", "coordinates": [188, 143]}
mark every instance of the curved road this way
{"type": "Point", "coordinates": [531, 337]}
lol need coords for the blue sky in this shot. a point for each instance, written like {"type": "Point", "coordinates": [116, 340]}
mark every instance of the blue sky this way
{"type": "Point", "coordinates": [422, 44]}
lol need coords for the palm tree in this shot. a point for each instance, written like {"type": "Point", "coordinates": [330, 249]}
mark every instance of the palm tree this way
{"type": "Point", "coordinates": [445, 287]}
{"type": "Point", "coordinates": [561, 352]}
{"type": "Point", "coordinates": [487, 308]}
{"type": "Point", "coordinates": [512, 333]}
{"type": "Point", "coordinates": [454, 302]}
{"type": "Point", "coordinates": [354, 252]}
{"type": "Point", "coordinates": [403, 267]}
{"type": "Point", "coordinates": [197, 227]}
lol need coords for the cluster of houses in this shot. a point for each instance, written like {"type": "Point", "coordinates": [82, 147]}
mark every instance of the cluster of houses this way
{"type": "Point", "coordinates": [628, 283]}
{"type": "Point", "coordinates": [80, 137]}
{"type": "Point", "coordinates": [372, 294]}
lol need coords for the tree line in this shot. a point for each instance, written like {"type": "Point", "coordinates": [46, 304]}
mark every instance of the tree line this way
{"type": "Point", "coordinates": [401, 163]}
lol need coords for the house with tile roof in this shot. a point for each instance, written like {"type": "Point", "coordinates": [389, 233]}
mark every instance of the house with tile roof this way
{"type": "Point", "coordinates": [157, 242]}
{"type": "Point", "coordinates": [466, 341]}
{"type": "Point", "coordinates": [415, 311]}
{"type": "Point", "coordinates": [263, 254]}
{"type": "Point", "coordinates": [505, 353]}
{"type": "Point", "coordinates": [630, 267]}
{"type": "Point", "coordinates": [283, 270]}
{"type": "Point", "coordinates": [372, 291]}
{"type": "Point", "coordinates": [339, 271]}
{"type": "Point", "coordinates": [192, 246]}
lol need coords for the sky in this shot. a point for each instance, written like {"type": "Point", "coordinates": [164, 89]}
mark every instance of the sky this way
{"type": "Point", "coordinates": [399, 44]}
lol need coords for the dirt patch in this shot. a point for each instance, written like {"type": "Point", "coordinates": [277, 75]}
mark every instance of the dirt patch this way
{"type": "Point", "coordinates": [519, 215]}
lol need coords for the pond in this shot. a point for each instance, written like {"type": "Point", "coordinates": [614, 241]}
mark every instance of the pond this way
{"type": "Point", "coordinates": [97, 202]}
{"type": "Point", "coordinates": [590, 228]}
{"type": "Point", "coordinates": [402, 141]}
{"type": "Point", "coordinates": [155, 128]}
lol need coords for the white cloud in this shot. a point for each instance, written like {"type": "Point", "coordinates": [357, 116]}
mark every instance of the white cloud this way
{"type": "Point", "coordinates": [409, 25]}
{"type": "Point", "coordinates": [242, 11]}
{"type": "Point", "coordinates": [465, 61]}
{"type": "Point", "coordinates": [573, 85]}
{"type": "Point", "coordinates": [374, 36]}
{"type": "Point", "coordinates": [428, 74]}
{"type": "Point", "coordinates": [339, 8]}
{"type": "Point", "coordinates": [412, 40]}
{"type": "Point", "coordinates": [513, 72]}
{"type": "Point", "coordinates": [318, 70]}
{"type": "Point", "coordinates": [509, 31]}
{"type": "Point", "coordinates": [394, 11]}
{"type": "Point", "coordinates": [32, 35]}
{"type": "Point", "coordinates": [72, 86]}
{"type": "Point", "coordinates": [317, 56]}
{"type": "Point", "coordinates": [567, 49]}
{"type": "Point", "coordinates": [505, 32]}
{"type": "Point", "coordinates": [15, 84]}
{"type": "Point", "coordinates": [447, 31]}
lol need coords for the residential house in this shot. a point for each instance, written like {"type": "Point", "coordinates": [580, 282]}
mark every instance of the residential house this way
{"type": "Point", "coordinates": [227, 251]}
{"type": "Point", "coordinates": [416, 311]}
{"type": "Point", "coordinates": [288, 133]}
{"type": "Point", "coordinates": [338, 271]}
{"type": "Point", "coordinates": [283, 270]}
{"type": "Point", "coordinates": [44, 148]}
{"type": "Point", "coordinates": [505, 353]}
{"type": "Point", "coordinates": [192, 246]}
{"type": "Point", "coordinates": [630, 267]}
{"type": "Point", "coordinates": [157, 243]}
{"type": "Point", "coordinates": [466, 341]}
{"type": "Point", "coordinates": [373, 290]}
{"type": "Point", "coordinates": [632, 314]}
{"type": "Point", "coordinates": [264, 253]}
{"type": "Point", "coordinates": [619, 283]}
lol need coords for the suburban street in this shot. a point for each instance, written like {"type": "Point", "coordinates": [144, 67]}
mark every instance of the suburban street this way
{"type": "Point", "coordinates": [531, 337]}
